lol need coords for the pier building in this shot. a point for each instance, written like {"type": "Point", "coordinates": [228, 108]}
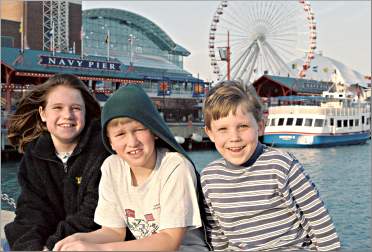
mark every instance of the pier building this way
{"type": "Point", "coordinates": [105, 48]}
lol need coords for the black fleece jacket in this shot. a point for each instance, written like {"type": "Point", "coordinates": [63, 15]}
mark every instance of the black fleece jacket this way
{"type": "Point", "coordinates": [55, 202]}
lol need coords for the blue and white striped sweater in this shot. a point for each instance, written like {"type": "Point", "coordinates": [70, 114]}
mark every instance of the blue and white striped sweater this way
{"type": "Point", "coordinates": [267, 203]}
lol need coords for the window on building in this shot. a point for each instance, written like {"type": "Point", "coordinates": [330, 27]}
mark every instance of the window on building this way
{"type": "Point", "coordinates": [308, 122]}
{"type": "Point", "coordinates": [272, 122]}
{"type": "Point", "coordinates": [331, 122]}
{"type": "Point", "coordinates": [289, 121]}
{"type": "Point", "coordinates": [281, 121]}
{"type": "Point", "coordinates": [318, 123]}
{"type": "Point", "coordinates": [351, 123]}
{"type": "Point", "coordinates": [345, 123]}
{"type": "Point", "coordinates": [362, 119]}
{"type": "Point", "coordinates": [299, 121]}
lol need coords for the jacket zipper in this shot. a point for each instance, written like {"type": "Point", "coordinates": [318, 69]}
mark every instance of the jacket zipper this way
{"type": "Point", "coordinates": [65, 167]}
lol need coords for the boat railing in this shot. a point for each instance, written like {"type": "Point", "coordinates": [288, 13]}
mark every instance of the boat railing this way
{"type": "Point", "coordinates": [328, 111]}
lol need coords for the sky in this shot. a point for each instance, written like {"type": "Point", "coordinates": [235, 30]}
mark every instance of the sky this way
{"type": "Point", "coordinates": [343, 29]}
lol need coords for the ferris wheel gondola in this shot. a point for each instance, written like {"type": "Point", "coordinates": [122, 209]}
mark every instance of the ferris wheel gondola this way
{"type": "Point", "coordinates": [264, 38]}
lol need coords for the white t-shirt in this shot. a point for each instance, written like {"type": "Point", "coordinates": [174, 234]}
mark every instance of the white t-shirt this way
{"type": "Point", "coordinates": [166, 200]}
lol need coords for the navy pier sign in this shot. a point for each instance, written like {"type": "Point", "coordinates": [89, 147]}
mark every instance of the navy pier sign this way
{"type": "Point", "coordinates": [78, 63]}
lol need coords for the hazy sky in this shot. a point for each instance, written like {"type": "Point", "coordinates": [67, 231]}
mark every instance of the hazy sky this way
{"type": "Point", "coordinates": [343, 29]}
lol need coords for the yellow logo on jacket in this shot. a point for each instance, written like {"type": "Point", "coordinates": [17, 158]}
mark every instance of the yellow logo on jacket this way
{"type": "Point", "coordinates": [78, 180]}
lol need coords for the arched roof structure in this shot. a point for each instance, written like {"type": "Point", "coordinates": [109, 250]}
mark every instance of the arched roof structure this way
{"type": "Point", "coordinates": [152, 31]}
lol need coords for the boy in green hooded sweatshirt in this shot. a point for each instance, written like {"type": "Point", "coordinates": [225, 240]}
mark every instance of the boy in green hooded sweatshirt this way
{"type": "Point", "coordinates": [149, 184]}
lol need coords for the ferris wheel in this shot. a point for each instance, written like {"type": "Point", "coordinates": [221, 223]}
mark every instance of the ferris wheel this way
{"type": "Point", "coordinates": [262, 37]}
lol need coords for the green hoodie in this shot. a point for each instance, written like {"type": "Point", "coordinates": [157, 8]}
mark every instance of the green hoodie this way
{"type": "Point", "coordinates": [133, 102]}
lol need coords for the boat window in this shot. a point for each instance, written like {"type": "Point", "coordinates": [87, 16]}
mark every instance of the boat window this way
{"type": "Point", "coordinates": [325, 122]}
{"type": "Point", "coordinates": [356, 122]}
{"type": "Point", "coordinates": [281, 121]}
{"type": "Point", "coordinates": [299, 121]}
{"type": "Point", "coordinates": [368, 120]}
{"type": "Point", "coordinates": [345, 123]}
{"type": "Point", "coordinates": [362, 119]}
{"type": "Point", "coordinates": [289, 121]}
{"type": "Point", "coordinates": [308, 122]}
{"type": "Point", "coordinates": [331, 121]}
{"type": "Point", "coordinates": [351, 123]}
{"type": "Point", "coordinates": [339, 123]}
{"type": "Point", "coordinates": [272, 122]}
{"type": "Point", "coordinates": [318, 123]}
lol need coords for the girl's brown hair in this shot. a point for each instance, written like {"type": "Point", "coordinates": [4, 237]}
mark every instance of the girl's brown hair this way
{"type": "Point", "coordinates": [25, 124]}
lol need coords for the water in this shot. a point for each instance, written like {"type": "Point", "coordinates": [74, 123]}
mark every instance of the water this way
{"type": "Point", "coordinates": [341, 174]}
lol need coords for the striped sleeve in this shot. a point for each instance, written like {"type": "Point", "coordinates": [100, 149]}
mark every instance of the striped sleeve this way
{"type": "Point", "coordinates": [301, 194]}
{"type": "Point", "coordinates": [215, 235]}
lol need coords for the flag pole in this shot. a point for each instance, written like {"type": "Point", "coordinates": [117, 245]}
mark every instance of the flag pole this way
{"type": "Point", "coordinates": [82, 42]}
{"type": "Point", "coordinates": [52, 41]}
{"type": "Point", "coordinates": [22, 35]}
{"type": "Point", "coordinates": [108, 45]}
{"type": "Point", "coordinates": [228, 55]}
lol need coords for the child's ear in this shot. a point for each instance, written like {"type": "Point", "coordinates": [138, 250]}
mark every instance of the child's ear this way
{"type": "Point", "coordinates": [42, 114]}
{"type": "Point", "coordinates": [261, 128]}
{"type": "Point", "coordinates": [209, 133]}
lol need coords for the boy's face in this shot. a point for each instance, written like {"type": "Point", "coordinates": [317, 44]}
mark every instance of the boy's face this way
{"type": "Point", "coordinates": [235, 136]}
{"type": "Point", "coordinates": [133, 142]}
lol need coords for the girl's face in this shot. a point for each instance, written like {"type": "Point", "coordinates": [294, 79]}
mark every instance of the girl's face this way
{"type": "Point", "coordinates": [64, 115]}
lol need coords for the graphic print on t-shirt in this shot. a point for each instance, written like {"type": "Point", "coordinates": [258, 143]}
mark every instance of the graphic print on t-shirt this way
{"type": "Point", "coordinates": [141, 226]}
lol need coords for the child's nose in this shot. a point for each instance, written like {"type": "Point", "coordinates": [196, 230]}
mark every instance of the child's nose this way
{"type": "Point", "coordinates": [132, 139]}
{"type": "Point", "coordinates": [234, 135]}
{"type": "Point", "coordinates": [67, 113]}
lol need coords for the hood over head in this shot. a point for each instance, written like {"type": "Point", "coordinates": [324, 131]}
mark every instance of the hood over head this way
{"type": "Point", "coordinates": [133, 102]}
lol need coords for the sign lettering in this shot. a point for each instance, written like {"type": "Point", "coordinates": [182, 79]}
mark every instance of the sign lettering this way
{"type": "Point", "coordinates": [78, 63]}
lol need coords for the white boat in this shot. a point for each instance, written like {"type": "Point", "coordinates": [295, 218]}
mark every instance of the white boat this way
{"type": "Point", "coordinates": [197, 137]}
{"type": "Point", "coordinates": [179, 139]}
{"type": "Point", "coordinates": [328, 120]}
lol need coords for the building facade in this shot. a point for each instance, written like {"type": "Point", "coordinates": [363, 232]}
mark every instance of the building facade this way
{"type": "Point", "coordinates": [41, 25]}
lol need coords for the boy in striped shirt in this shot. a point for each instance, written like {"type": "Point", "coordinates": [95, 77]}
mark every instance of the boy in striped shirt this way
{"type": "Point", "coordinates": [256, 197]}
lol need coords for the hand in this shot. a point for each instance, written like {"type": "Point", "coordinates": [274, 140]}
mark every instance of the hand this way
{"type": "Point", "coordinates": [79, 246]}
{"type": "Point", "coordinates": [69, 239]}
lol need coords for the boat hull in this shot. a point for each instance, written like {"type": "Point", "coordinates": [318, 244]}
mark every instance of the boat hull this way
{"type": "Point", "coordinates": [314, 140]}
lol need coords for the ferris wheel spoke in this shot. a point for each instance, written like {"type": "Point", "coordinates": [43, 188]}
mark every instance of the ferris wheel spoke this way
{"type": "Point", "coordinates": [271, 62]}
{"type": "Point", "coordinates": [238, 25]}
{"type": "Point", "coordinates": [236, 17]}
{"type": "Point", "coordinates": [285, 22]}
{"type": "Point", "coordinates": [281, 61]}
{"type": "Point", "coordinates": [268, 11]}
{"type": "Point", "coordinates": [242, 57]}
{"type": "Point", "coordinates": [251, 68]}
{"type": "Point", "coordinates": [245, 62]}
{"type": "Point", "coordinates": [271, 13]}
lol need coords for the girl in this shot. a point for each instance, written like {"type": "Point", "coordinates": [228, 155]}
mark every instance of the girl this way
{"type": "Point", "coordinates": [56, 127]}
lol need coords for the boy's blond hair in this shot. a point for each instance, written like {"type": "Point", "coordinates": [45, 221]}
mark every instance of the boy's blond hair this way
{"type": "Point", "coordinates": [225, 97]}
